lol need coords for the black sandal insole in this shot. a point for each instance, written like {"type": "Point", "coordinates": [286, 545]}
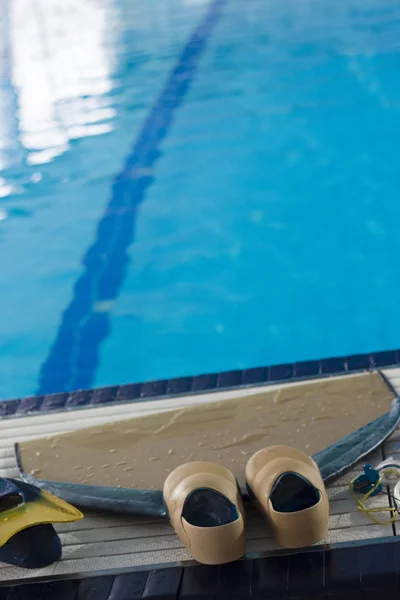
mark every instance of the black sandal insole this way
{"type": "Point", "coordinates": [207, 508]}
{"type": "Point", "coordinates": [291, 492]}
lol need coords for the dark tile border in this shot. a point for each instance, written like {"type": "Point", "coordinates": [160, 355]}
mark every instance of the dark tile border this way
{"type": "Point", "coordinates": [342, 573]}
{"type": "Point", "coordinates": [137, 392]}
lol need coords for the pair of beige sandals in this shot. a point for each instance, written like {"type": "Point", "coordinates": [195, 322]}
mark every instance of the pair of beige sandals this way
{"type": "Point", "coordinates": [272, 475]}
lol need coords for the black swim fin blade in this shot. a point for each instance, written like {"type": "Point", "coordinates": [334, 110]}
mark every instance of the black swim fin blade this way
{"type": "Point", "coordinates": [32, 548]}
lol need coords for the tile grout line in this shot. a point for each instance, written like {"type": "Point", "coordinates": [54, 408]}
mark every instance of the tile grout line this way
{"type": "Point", "coordinates": [73, 359]}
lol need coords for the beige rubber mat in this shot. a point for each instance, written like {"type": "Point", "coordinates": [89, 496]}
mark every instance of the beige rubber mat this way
{"type": "Point", "coordinates": [141, 451]}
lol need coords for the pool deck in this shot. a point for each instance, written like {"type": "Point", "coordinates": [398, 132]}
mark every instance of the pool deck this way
{"type": "Point", "coordinates": [103, 543]}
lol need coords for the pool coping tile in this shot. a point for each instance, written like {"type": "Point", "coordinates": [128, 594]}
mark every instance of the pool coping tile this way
{"type": "Point", "coordinates": [226, 380]}
{"type": "Point", "coordinates": [342, 572]}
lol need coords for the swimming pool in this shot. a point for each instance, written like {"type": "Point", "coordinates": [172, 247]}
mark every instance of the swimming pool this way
{"type": "Point", "coordinates": [195, 186]}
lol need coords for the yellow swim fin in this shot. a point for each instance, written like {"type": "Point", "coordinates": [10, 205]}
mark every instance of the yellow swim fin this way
{"type": "Point", "coordinates": [22, 506]}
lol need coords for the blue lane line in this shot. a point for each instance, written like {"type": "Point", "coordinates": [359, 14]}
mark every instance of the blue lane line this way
{"type": "Point", "coordinates": [74, 356]}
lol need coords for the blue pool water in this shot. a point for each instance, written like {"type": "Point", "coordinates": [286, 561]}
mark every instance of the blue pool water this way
{"type": "Point", "coordinates": [194, 186]}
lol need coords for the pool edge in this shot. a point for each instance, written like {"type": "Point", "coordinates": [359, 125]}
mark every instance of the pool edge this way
{"type": "Point", "coordinates": [197, 384]}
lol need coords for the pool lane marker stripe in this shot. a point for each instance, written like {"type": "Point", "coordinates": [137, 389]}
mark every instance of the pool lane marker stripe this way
{"type": "Point", "coordinates": [74, 355]}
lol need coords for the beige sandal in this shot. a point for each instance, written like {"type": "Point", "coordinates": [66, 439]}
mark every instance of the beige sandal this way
{"type": "Point", "coordinates": [206, 510]}
{"type": "Point", "coordinates": [288, 489]}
